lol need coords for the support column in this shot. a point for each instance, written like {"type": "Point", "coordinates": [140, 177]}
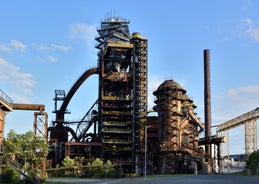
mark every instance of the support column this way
{"type": "Point", "coordinates": [5, 106]}
{"type": "Point", "coordinates": [40, 128]}
{"type": "Point", "coordinates": [250, 137]}
{"type": "Point", "coordinates": [224, 150]}
{"type": "Point", "coordinates": [40, 125]}
{"type": "Point", "coordinates": [2, 122]}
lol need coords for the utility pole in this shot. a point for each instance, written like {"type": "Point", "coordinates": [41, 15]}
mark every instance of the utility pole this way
{"type": "Point", "coordinates": [145, 172]}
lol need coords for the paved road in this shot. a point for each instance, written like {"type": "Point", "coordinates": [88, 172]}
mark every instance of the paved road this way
{"type": "Point", "coordinates": [188, 179]}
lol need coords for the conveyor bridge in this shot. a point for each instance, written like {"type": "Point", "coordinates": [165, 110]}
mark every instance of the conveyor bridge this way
{"type": "Point", "coordinates": [249, 120]}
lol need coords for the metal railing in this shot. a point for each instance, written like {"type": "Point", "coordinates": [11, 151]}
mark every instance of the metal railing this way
{"type": "Point", "coordinates": [5, 98]}
{"type": "Point", "coordinates": [19, 168]}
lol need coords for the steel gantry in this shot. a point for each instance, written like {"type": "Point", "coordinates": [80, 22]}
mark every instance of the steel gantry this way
{"type": "Point", "coordinates": [249, 121]}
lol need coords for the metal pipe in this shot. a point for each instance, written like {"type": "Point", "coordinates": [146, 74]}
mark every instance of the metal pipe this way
{"type": "Point", "coordinates": [32, 107]}
{"type": "Point", "coordinates": [207, 102]}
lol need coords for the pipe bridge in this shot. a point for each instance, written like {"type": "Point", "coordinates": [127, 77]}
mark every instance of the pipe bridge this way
{"type": "Point", "coordinates": [249, 120]}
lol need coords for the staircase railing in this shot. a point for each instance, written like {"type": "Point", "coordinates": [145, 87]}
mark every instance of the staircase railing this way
{"type": "Point", "coordinates": [19, 168]}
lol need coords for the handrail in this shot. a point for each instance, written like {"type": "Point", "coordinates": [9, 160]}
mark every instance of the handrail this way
{"type": "Point", "coordinates": [19, 168]}
{"type": "Point", "coordinates": [5, 98]}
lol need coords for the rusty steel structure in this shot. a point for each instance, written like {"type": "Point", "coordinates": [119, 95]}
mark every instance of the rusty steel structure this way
{"type": "Point", "coordinates": [119, 115]}
{"type": "Point", "coordinates": [40, 126]}
{"type": "Point", "coordinates": [178, 129]}
{"type": "Point", "coordinates": [122, 111]}
{"type": "Point", "coordinates": [117, 126]}
{"type": "Point", "coordinates": [118, 119]}
{"type": "Point", "coordinates": [40, 123]}
{"type": "Point", "coordinates": [5, 107]}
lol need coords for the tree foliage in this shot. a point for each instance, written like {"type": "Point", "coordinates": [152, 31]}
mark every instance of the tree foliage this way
{"type": "Point", "coordinates": [68, 162]}
{"type": "Point", "coordinates": [9, 176]}
{"type": "Point", "coordinates": [27, 149]}
{"type": "Point", "coordinates": [100, 169]}
{"type": "Point", "coordinates": [253, 160]}
{"type": "Point", "coordinates": [78, 167]}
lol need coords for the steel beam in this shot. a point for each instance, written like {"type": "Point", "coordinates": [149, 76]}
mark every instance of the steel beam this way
{"type": "Point", "coordinates": [250, 137]}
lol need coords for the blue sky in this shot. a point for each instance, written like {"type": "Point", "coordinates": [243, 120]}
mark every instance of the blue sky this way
{"type": "Point", "coordinates": [47, 45]}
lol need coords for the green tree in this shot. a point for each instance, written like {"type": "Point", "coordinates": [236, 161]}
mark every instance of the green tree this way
{"type": "Point", "coordinates": [69, 163]}
{"type": "Point", "coordinates": [253, 160]}
{"type": "Point", "coordinates": [99, 169]}
{"type": "Point", "coordinates": [9, 176]}
{"type": "Point", "coordinates": [26, 148]}
{"type": "Point", "coordinates": [109, 168]}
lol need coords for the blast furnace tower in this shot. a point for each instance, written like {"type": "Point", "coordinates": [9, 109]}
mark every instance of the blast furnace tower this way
{"type": "Point", "coordinates": [178, 129]}
{"type": "Point", "coordinates": [122, 105]}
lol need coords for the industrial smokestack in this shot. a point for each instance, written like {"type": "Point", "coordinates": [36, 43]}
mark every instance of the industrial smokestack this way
{"type": "Point", "coordinates": [207, 103]}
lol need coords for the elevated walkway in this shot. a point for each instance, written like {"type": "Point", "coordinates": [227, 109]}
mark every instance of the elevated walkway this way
{"type": "Point", "coordinates": [5, 102]}
{"type": "Point", "coordinates": [249, 120]}
{"type": "Point", "coordinates": [5, 106]}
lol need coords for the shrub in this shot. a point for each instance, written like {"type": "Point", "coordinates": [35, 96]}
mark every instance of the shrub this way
{"type": "Point", "coordinates": [9, 176]}
{"type": "Point", "coordinates": [253, 160]}
{"type": "Point", "coordinates": [99, 169]}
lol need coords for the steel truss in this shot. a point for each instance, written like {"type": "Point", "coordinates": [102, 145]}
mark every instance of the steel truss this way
{"type": "Point", "coordinates": [249, 120]}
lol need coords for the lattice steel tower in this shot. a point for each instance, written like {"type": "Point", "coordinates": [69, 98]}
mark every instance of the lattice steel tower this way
{"type": "Point", "coordinates": [122, 60]}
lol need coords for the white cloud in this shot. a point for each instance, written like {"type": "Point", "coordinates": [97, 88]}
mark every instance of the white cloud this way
{"type": "Point", "coordinates": [52, 46]}
{"type": "Point", "coordinates": [250, 28]}
{"type": "Point", "coordinates": [60, 47]}
{"type": "Point", "coordinates": [20, 82]}
{"type": "Point", "coordinates": [81, 31]}
{"type": "Point", "coordinates": [17, 45]}
{"type": "Point", "coordinates": [48, 59]}
{"type": "Point", "coordinates": [43, 47]}
{"type": "Point", "coordinates": [4, 47]}
{"type": "Point", "coordinates": [235, 102]}
{"type": "Point", "coordinates": [17, 97]}
{"type": "Point", "coordinates": [52, 59]}
{"type": "Point", "coordinates": [12, 46]}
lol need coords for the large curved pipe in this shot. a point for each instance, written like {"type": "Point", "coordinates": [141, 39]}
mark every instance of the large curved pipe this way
{"type": "Point", "coordinates": [72, 133]}
{"type": "Point", "coordinates": [68, 129]}
{"type": "Point", "coordinates": [78, 83]}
